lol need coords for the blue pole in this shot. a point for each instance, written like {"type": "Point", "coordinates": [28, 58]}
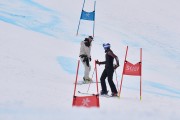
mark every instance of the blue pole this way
{"type": "Point", "coordinates": [94, 17]}
{"type": "Point", "coordinates": [80, 18]}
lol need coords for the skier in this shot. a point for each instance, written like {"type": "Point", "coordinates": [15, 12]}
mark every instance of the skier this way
{"type": "Point", "coordinates": [85, 56]}
{"type": "Point", "coordinates": [108, 71]}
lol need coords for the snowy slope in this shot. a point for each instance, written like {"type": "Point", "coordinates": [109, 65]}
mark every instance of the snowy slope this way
{"type": "Point", "coordinates": [39, 51]}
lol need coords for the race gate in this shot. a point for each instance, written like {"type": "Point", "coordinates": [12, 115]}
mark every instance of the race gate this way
{"type": "Point", "coordinates": [92, 100]}
{"type": "Point", "coordinates": [89, 16]}
{"type": "Point", "coordinates": [133, 70]}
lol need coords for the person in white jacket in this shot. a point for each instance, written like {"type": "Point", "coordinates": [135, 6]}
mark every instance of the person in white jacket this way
{"type": "Point", "coordinates": [85, 56]}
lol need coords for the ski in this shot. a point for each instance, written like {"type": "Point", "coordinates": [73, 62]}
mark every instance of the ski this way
{"type": "Point", "coordinates": [86, 93]}
{"type": "Point", "coordinates": [106, 96]}
{"type": "Point", "coordinates": [82, 82]}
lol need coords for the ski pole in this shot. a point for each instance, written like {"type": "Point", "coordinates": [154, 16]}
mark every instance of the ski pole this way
{"type": "Point", "coordinates": [116, 78]}
{"type": "Point", "coordinates": [91, 81]}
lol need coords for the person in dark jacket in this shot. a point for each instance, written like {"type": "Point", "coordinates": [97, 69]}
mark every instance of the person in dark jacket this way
{"type": "Point", "coordinates": [109, 70]}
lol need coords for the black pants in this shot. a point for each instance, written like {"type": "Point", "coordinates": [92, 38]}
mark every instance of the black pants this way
{"type": "Point", "coordinates": [85, 59]}
{"type": "Point", "coordinates": [109, 74]}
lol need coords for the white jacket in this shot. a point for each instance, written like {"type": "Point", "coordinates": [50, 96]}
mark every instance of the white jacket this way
{"type": "Point", "coordinates": [84, 50]}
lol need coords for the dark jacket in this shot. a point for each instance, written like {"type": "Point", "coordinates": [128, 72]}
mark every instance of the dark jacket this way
{"type": "Point", "coordinates": [109, 59]}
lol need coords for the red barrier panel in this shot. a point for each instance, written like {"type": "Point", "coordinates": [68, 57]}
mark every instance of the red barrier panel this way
{"type": "Point", "coordinates": [86, 101]}
{"type": "Point", "coordinates": [131, 69]}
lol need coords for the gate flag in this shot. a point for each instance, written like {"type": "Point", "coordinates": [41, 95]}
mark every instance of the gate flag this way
{"type": "Point", "coordinates": [133, 70]}
{"type": "Point", "coordinates": [87, 15]}
{"type": "Point", "coordinates": [86, 101]}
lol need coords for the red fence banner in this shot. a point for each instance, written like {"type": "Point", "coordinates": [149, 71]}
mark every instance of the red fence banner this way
{"type": "Point", "coordinates": [86, 101]}
{"type": "Point", "coordinates": [132, 69]}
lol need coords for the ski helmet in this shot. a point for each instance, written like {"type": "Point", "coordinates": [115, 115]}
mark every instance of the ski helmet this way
{"type": "Point", "coordinates": [106, 46]}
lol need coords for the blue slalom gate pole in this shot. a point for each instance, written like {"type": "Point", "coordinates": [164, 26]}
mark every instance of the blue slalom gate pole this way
{"type": "Point", "coordinates": [80, 18]}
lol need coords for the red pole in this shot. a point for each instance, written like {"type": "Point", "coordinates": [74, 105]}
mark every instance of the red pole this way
{"type": "Point", "coordinates": [76, 78]}
{"type": "Point", "coordinates": [123, 72]}
{"type": "Point", "coordinates": [97, 84]}
{"type": "Point", "coordinates": [120, 86]}
{"type": "Point", "coordinates": [141, 74]}
{"type": "Point", "coordinates": [96, 78]}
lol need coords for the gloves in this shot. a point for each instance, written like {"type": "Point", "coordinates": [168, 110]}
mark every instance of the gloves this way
{"type": "Point", "coordinates": [89, 58]}
{"type": "Point", "coordinates": [85, 59]}
{"type": "Point", "coordinates": [115, 66]}
{"type": "Point", "coordinates": [97, 62]}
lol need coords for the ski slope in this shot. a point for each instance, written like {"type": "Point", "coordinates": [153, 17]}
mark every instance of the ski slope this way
{"type": "Point", "coordinates": [39, 51]}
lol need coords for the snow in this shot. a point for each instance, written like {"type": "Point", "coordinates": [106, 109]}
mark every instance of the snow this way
{"type": "Point", "coordinates": [39, 52]}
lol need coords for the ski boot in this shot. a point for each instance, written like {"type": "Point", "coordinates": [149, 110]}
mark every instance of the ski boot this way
{"type": "Point", "coordinates": [88, 80]}
{"type": "Point", "coordinates": [114, 94]}
{"type": "Point", "coordinates": [103, 92]}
